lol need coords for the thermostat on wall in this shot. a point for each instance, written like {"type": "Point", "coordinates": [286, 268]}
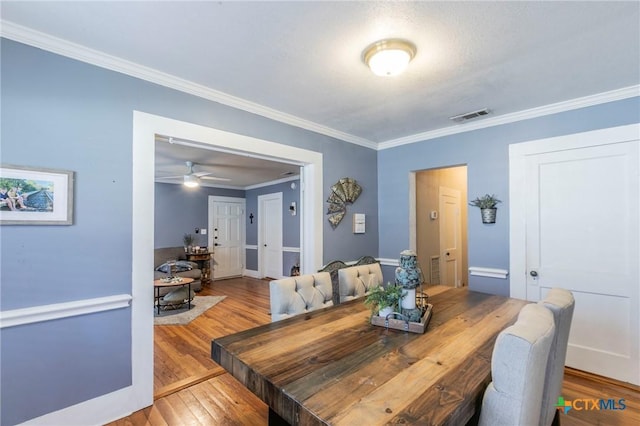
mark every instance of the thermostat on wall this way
{"type": "Point", "coordinates": [358, 223]}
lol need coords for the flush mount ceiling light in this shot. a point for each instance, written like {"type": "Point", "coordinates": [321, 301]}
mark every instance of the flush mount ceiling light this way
{"type": "Point", "coordinates": [389, 57]}
{"type": "Point", "coordinates": [191, 181]}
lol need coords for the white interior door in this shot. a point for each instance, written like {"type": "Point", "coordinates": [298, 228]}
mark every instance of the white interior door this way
{"type": "Point", "coordinates": [580, 201]}
{"type": "Point", "coordinates": [226, 236]}
{"type": "Point", "coordinates": [270, 235]}
{"type": "Point", "coordinates": [450, 236]}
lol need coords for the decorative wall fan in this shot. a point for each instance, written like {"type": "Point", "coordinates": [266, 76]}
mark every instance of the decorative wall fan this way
{"type": "Point", "coordinates": [345, 191]}
{"type": "Point", "coordinates": [192, 178]}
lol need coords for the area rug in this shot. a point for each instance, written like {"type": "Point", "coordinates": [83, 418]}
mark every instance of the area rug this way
{"type": "Point", "coordinates": [199, 305]}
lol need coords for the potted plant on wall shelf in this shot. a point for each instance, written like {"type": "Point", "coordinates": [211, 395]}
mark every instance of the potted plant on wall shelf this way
{"type": "Point", "coordinates": [187, 239]}
{"type": "Point", "coordinates": [487, 205]}
{"type": "Point", "coordinates": [384, 300]}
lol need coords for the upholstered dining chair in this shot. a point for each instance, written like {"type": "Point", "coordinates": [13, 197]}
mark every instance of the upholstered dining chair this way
{"type": "Point", "coordinates": [518, 363]}
{"type": "Point", "coordinates": [561, 303]}
{"type": "Point", "coordinates": [358, 281]}
{"type": "Point", "coordinates": [296, 295]}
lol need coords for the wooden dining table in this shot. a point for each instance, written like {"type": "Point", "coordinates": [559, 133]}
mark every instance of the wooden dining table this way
{"type": "Point", "coordinates": [333, 367]}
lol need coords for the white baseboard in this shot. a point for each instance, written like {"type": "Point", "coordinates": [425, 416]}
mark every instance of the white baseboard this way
{"type": "Point", "coordinates": [251, 273]}
{"type": "Point", "coordinates": [96, 411]}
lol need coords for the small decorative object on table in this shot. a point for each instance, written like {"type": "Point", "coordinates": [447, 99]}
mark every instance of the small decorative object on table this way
{"type": "Point", "coordinates": [409, 276]}
{"type": "Point", "coordinates": [410, 317]}
{"type": "Point", "coordinates": [487, 205]}
{"type": "Point", "coordinates": [173, 280]}
{"type": "Point", "coordinates": [187, 239]}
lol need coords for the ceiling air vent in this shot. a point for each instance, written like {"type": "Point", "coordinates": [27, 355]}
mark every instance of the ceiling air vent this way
{"type": "Point", "coordinates": [469, 115]}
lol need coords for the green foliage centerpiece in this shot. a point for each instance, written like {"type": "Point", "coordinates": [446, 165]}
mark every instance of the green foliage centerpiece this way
{"type": "Point", "coordinates": [384, 300]}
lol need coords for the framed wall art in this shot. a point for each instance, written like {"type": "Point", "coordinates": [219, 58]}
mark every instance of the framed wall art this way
{"type": "Point", "coordinates": [35, 196]}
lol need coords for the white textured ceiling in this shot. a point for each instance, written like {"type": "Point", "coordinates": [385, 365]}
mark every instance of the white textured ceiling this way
{"type": "Point", "coordinates": [303, 59]}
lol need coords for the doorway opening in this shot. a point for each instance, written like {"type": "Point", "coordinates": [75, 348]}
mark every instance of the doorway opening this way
{"type": "Point", "coordinates": [146, 128]}
{"type": "Point", "coordinates": [440, 224]}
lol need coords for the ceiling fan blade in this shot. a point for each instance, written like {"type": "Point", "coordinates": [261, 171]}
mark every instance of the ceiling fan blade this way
{"type": "Point", "coordinates": [215, 178]}
{"type": "Point", "coordinates": [171, 177]}
{"type": "Point", "coordinates": [200, 174]}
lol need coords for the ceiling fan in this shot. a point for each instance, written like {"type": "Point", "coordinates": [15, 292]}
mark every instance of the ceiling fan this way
{"type": "Point", "coordinates": [192, 179]}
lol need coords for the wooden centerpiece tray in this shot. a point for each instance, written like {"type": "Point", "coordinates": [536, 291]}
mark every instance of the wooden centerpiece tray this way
{"type": "Point", "coordinates": [398, 321]}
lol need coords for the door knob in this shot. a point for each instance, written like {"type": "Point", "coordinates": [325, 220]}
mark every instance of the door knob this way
{"type": "Point", "coordinates": [216, 244]}
{"type": "Point", "coordinates": [265, 245]}
{"type": "Point", "coordinates": [448, 254]}
{"type": "Point", "coordinates": [533, 273]}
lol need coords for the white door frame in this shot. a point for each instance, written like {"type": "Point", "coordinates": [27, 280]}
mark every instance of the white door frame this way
{"type": "Point", "coordinates": [518, 156]}
{"type": "Point", "coordinates": [210, 243]}
{"type": "Point", "coordinates": [261, 230]}
{"type": "Point", "coordinates": [443, 191]}
{"type": "Point", "coordinates": [145, 128]}
{"type": "Point", "coordinates": [517, 199]}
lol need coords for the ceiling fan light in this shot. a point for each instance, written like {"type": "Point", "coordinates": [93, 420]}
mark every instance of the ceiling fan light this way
{"type": "Point", "coordinates": [387, 58]}
{"type": "Point", "coordinates": [191, 181]}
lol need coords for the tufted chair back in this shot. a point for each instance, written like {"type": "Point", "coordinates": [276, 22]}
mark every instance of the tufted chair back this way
{"type": "Point", "coordinates": [358, 281]}
{"type": "Point", "coordinates": [296, 295]}
{"type": "Point", "coordinates": [518, 365]}
{"type": "Point", "coordinates": [561, 303]}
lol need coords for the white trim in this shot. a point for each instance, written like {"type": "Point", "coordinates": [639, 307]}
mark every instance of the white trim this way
{"type": "Point", "coordinates": [54, 311]}
{"type": "Point", "coordinates": [478, 271]}
{"type": "Point", "coordinates": [145, 128]}
{"type": "Point", "coordinates": [101, 410]}
{"type": "Point", "coordinates": [389, 262]}
{"type": "Point", "coordinates": [82, 53]}
{"type": "Point", "coordinates": [251, 273]}
{"type": "Point", "coordinates": [273, 182]}
{"type": "Point", "coordinates": [251, 246]}
{"type": "Point", "coordinates": [291, 249]}
{"type": "Point", "coordinates": [586, 101]}
{"type": "Point", "coordinates": [413, 213]}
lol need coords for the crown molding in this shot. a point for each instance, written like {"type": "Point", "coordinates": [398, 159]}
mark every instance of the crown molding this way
{"type": "Point", "coordinates": [82, 53]}
{"type": "Point", "coordinates": [586, 101]}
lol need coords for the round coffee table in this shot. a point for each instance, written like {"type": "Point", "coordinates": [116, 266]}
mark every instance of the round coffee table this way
{"type": "Point", "coordinates": [158, 284]}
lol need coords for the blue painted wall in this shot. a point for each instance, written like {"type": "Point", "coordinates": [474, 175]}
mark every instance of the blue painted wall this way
{"type": "Point", "coordinates": [179, 210]}
{"type": "Point", "coordinates": [290, 224]}
{"type": "Point", "coordinates": [61, 113]}
{"type": "Point", "coordinates": [486, 153]}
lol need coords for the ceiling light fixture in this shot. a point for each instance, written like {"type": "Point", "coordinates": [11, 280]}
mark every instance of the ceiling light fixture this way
{"type": "Point", "coordinates": [390, 57]}
{"type": "Point", "coordinates": [191, 181]}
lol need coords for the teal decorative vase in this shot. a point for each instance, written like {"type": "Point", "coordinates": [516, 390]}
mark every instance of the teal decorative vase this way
{"type": "Point", "coordinates": [409, 276]}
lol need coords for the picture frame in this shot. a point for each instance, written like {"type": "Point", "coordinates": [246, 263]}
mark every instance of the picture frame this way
{"type": "Point", "coordinates": [35, 196]}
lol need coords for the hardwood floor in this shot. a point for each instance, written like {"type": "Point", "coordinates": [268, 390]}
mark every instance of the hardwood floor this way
{"type": "Point", "coordinates": [191, 389]}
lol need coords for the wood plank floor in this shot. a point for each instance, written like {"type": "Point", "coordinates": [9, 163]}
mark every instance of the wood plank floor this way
{"type": "Point", "coordinates": [191, 389]}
